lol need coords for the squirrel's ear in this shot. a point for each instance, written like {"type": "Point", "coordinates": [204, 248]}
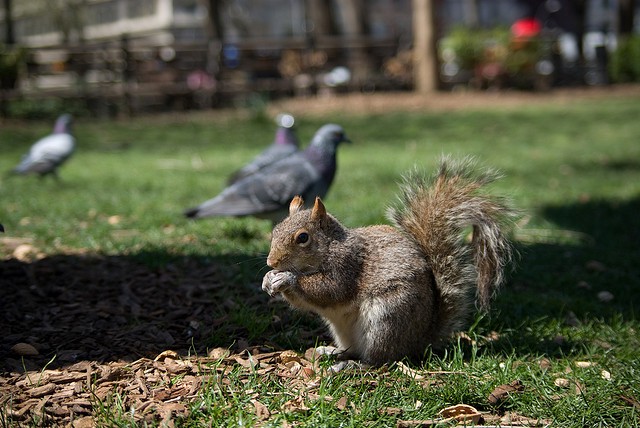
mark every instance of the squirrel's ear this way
{"type": "Point", "coordinates": [319, 211]}
{"type": "Point", "coordinates": [297, 203]}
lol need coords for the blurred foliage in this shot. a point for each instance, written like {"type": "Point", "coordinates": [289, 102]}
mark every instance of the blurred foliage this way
{"type": "Point", "coordinates": [11, 59]}
{"type": "Point", "coordinates": [47, 108]}
{"type": "Point", "coordinates": [624, 65]}
{"type": "Point", "coordinates": [472, 47]}
{"type": "Point", "coordinates": [495, 56]}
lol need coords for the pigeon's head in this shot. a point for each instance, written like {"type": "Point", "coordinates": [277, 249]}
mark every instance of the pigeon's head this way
{"type": "Point", "coordinates": [286, 135]}
{"type": "Point", "coordinates": [285, 120]}
{"type": "Point", "coordinates": [63, 124]}
{"type": "Point", "coordinates": [330, 135]}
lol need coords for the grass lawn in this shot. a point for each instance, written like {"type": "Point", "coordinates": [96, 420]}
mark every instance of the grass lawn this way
{"type": "Point", "coordinates": [565, 325]}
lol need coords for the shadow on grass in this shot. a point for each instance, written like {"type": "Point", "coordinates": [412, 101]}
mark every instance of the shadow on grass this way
{"type": "Point", "coordinates": [109, 308]}
{"type": "Point", "coordinates": [105, 308]}
{"type": "Point", "coordinates": [595, 279]}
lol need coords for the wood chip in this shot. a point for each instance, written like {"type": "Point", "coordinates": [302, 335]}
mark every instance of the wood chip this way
{"type": "Point", "coordinates": [43, 390]}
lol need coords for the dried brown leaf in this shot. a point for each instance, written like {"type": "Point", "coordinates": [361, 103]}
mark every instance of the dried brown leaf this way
{"type": "Point", "coordinates": [515, 419]}
{"type": "Point", "coordinates": [262, 412]}
{"type": "Point", "coordinates": [249, 363]}
{"type": "Point", "coordinates": [219, 353]}
{"type": "Point", "coordinates": [289, 356]}
{"type": "Point", "coordinates": [391, 411]}
{"type": "Point", "coordinates": [168, 354]}
{"type": "Point", "coordinates": [500, 393]}
{"type": "Point", "coordinates": [341, 404]}
{"type": "Point", "coordinates": [295, 405]}
{"type": "Point", "coordinates": [461, 413]}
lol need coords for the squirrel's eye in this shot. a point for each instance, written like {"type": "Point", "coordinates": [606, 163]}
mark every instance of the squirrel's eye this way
{"type": "Point", "coordinates": [302, 238]}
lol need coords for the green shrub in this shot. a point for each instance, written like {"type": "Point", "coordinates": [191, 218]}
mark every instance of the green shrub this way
{"type": "Point", "coordinates": [625, 61]}
{"type": "Point", "coordinates": [11, 58]}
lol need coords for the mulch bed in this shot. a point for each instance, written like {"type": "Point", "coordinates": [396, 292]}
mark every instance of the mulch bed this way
{"type": "Point", "coordinates": [77, 328]}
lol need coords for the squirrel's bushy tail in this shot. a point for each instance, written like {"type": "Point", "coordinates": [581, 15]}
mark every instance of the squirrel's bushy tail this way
{"type": "Point", "coordinates": [436, 212]}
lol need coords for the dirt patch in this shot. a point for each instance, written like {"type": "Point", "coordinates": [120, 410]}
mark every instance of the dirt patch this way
{"type": "Point", "coordinates": [380, 103]}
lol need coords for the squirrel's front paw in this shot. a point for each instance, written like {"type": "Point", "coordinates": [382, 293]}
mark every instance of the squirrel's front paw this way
{"type": "Point", "coordinates": [276, 281]}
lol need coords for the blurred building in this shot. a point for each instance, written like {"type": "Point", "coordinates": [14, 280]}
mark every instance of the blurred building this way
{"type": "Point", "coordinates": [177, 48]}
{"type": "Point", "coordinates": [42, 23]}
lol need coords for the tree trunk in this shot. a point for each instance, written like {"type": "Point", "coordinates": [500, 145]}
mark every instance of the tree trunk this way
{"type": "Point", "coordinates": [625, 16]}
{"type": "Point", "coordinates": [9, 38]}
{"type": "Point", "coordinates": [320, 20]}
{"type": "Point", "coordinates": [215, 33]}
{"type": "Point", "coordinates": [425, 61]}
{"type": "Point", "coordinates": [356, 29]}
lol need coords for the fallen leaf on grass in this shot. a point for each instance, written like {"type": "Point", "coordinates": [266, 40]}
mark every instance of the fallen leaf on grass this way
{"type": "Point", "coordinates": [409, 371]}
{"type": "Point", "coordinates": [391, 411]}
{"type": "Point", "coordinates": [167, 354]}
{"type": "Point", "coordinates": [249, 363]}
{"type": "Point", "coordinates": [461, 413]}
{"type": "Point", "coordinates": [631, 401]}
{"type": "Point", "coordinates": [295, 405]}
{"type": "Point", "coordinates": [219, 353]}
{"type": "Point", "coordinates": [515, 419]}
{"type": "Point", "coordinates": [500, 393]}
{"type": "Point", "coordinates": [289, 356]}
{"type": "Point", "coordinates": [341, 404]}
{"type": "Point", "coordinates": [262, 412]}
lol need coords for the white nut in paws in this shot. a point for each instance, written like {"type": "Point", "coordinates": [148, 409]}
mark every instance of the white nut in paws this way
{"type": "Point", "coordinates": [276, 281]}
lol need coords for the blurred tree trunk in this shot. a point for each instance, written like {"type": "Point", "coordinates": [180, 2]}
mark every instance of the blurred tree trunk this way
{"type": "Point", "coordinates": [215, 33]}
{"type": "Point", "coordinates": [9, 37]}
{"type": "Point", "coordinates": [214, 22]}
{"type": "Point", "coordinates": [356, 30]}
{"type": "Point", "coordinates": [425, 57]}
{"type": "Point", "coordinates": [625, 16]}
{"type": "Point", "coordinates": [320, 20]}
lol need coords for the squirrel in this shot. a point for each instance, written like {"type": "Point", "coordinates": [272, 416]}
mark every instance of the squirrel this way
{"type": "Point", "coordinates": [389, 292]}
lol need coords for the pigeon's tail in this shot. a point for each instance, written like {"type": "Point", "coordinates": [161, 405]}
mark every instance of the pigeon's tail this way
{"type": "Point", "coordinates": [1, 228]}
{"type": "Point", "coordinates": [192, 212]}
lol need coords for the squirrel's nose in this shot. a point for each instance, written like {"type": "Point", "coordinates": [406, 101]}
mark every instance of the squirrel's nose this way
{"type": "Point", "coordinates": [271, 261]}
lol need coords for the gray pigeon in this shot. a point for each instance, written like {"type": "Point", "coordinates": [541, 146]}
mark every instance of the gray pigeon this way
{"type": "Point", "coordinates": [284, 144]}
{"type": "Point", "coordinates": [48, 153]}
{"type": "Point", "coordinates": [267, 193]}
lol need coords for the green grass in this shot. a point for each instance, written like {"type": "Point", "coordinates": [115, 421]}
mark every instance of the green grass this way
{"type": "Point", "coordinates": [574, 171]}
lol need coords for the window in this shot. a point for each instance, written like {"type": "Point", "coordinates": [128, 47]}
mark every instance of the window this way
{"type": "Point", "coordinates": [102, 13]}
{"type": "Point", "coordinates": [141, 8]}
